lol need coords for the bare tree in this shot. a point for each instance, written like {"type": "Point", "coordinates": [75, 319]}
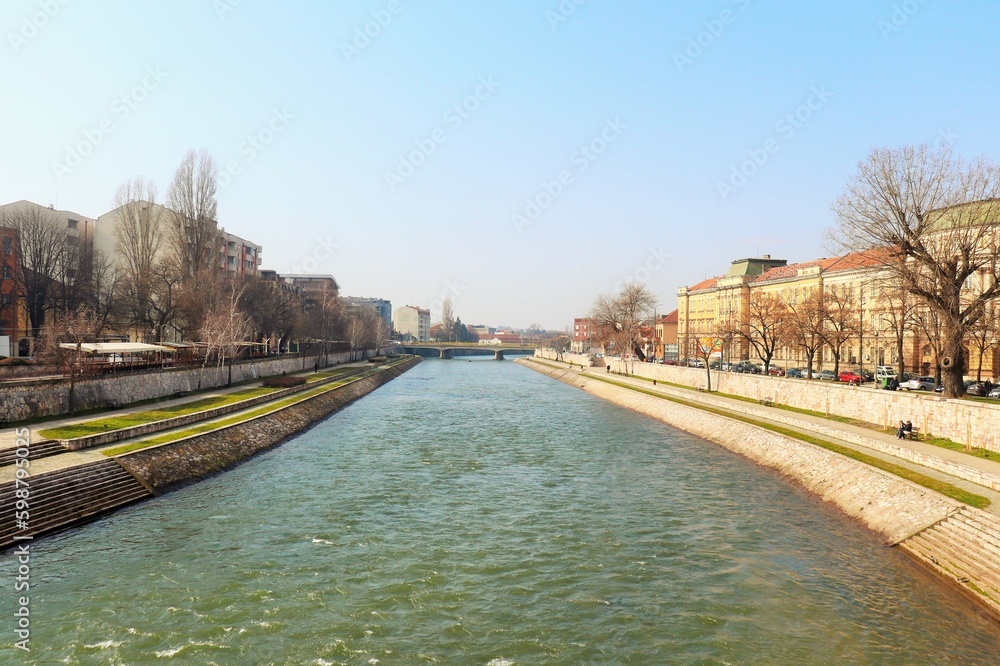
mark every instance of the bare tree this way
{"type": "Point", "coordinates": [324, 320]}
{"type": "Point", "coordinates": [226, 330]}
{"type": "Point", "coordinates": [938, 215]}
{"type": "Point", "coordinates": [619, 318]}
{"type": "Point", "coordinates": [139, 239]}
{"type": "Point", "coordinates": [61, 345]}
{"type": "Point", "coordinates": [273, 309]}
{"type": "Point", "coordinates": [41, 251]}
{"type": "Point", "coordinates": [447, 319]}
{"type": "Point", "coordinates": [193, 208]}
{"type": "Point", "coordinates": [983, 336]}
{"type": "Point", "coordinates": [841, 321]}
{"type": "Point", "coordinates": [764, 325]}
{"type": "Point", "coordinates": [806, 321]}
{"type": "Point", "coordinates": [896, 316]}
{"type": "Point", "coordinates": [164, 294]}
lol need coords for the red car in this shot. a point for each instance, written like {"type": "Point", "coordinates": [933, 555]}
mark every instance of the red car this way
{"type": "Point", "coordinates": [851, 377]}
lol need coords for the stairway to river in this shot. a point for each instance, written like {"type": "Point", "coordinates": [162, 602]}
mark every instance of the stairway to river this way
{"type": "Point", "coordinates": [62, 498]}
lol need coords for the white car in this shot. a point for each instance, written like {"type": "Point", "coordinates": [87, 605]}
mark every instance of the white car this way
{"type": "Point", "coordinates": [919, 384]}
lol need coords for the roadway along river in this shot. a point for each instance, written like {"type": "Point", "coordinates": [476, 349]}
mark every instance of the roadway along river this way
{"type": "Point", "coordinates": [480, 513]}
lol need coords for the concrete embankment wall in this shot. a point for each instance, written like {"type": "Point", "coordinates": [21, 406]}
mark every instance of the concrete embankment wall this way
{"type": "Point", "coordinates": [22, 400]}
{"type": "Point", "coordinates": [893, 507]}
{"type": "Point", "coordinates": [172, 465]}
{"type": "Point", "coordinates": [972, 423]}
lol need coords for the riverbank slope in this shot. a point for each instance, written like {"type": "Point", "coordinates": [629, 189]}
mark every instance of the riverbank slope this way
{"type": "Point", "coordinates": [956, 541]}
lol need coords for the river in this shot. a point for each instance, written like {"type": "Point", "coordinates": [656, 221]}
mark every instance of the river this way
{"type": "Point", "coordinates": [476, 512]}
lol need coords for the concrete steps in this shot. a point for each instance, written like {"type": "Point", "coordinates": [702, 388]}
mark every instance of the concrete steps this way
{"type": "Point", "coordinates": [40, 450]}
{"type": "Point", "coordinates": [964, 547]}
{"type": "Point", "coordinates": [66, 497]}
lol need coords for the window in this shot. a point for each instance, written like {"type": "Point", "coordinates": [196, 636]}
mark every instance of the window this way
{"type": "Point", "coordinates": [7, 245]}
{"type": "Point", "coordinates": [72, 224]}
{"type": "Point", "coordinates": [6, 273]}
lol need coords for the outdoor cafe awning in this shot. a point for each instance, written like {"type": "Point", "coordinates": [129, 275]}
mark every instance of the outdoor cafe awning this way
{"type": "Point", "coordinates": [116, 347]}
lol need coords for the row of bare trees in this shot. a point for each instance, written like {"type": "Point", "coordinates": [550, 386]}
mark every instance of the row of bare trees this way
{"type": "Point", "coordinates": [165, 279]}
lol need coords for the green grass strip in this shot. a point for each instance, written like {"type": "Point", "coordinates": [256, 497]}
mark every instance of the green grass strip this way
{"type": "Point", "coordinates": [141, 418]}
{"type": "Point", "coordinates": [942, 487]}
{"type": "Point", "coordinates": [267, 408]}
{"type": "Point", "coordinates": [942, 442]}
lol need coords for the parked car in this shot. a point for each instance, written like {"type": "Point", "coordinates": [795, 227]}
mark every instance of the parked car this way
{"type": "Point", "coordinates": [825, 375]}
{"type": "Point", "coordinates": [977, 388]}
{"type": "Point", "coordinates": [995, 393]}
{"type": "Point", "coordinates": [775, 371]}
{"type": "Point", "coordinates": [852, 377]}
{"type": "Point", "coordinates": [747, 367]}
{"type": "Point", "coordinates": [919, 384]}
{"type": "Point", "coordinates": [794, 372]}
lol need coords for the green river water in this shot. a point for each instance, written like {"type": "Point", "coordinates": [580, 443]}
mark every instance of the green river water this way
{"type": "Point", "coordinates": [480, 513]}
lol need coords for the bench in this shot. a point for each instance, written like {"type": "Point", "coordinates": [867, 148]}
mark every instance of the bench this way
{"type": "Point", "coordinates": [768, 401]}
{"type": "Point", "coordinates": [915, 433]}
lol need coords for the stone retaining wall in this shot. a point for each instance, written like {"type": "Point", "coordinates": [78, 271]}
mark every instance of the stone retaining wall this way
{"type": "Point", "coordinates": [168, 466]}
{"type": "Point", "coordinates": [889, 505]}
{"type": "Point", "coordinates": [111, 436]}
{"type": "Point", "coordinates": [975, 424]}
{"type": "Point", "coordinates": [44, 398]}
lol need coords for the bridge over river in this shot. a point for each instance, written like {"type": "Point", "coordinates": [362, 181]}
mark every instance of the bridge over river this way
{"type": "Point", "coordinates": [450, 351]}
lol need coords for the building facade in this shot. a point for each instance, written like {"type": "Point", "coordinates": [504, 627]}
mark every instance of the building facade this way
{"type": "Point", "coordinates": [381, 305]}
{"type": "Point", "coordinates": [413, 323]}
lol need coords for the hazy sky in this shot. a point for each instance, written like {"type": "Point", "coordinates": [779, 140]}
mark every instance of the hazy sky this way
{"type": "Point", "coordinates": [520, 157]}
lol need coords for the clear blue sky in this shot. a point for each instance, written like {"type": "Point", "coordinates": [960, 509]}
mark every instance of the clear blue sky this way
{"type": "Point", "coordinates": [673, 96]}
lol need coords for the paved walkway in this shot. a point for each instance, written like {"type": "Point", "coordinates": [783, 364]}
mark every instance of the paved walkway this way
{"type": "Point", "coordinates": [806, 424]}
{"type": "Point", "coordinates": [71, 458]}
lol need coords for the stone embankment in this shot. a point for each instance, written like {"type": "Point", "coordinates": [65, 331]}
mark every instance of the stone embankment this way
{"type": "Point", "coordinates": [75, 494]}
{"type": "Point", "coordinates": [32, 399]}
{"type": "Point", "coordinates": [168, 466]}
{"type": "Point", "coordinates": [957, 541]}
{"type": "Point", "coordinates": [972, 423]}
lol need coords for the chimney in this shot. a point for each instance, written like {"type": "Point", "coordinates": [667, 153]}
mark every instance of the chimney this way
{"type": "Point", "coordinates": [767, 256]}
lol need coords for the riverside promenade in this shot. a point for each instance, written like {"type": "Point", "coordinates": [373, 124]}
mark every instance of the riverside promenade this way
{"type": "Point", "coordinates": [937, 505]}
{"type": "Point", "coordinates": [966, 471]}
{"type": "Point", "coordinates": [63, 460]}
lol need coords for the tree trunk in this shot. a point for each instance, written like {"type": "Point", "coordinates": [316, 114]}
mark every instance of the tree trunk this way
{"type": "Point", "coordinates": [708, 377]}
{"type": "Point", "coordinates": [952, 362]}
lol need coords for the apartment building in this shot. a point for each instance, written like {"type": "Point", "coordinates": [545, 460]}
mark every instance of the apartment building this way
{"type": "Point", "coordinates": [381, 305]}
{"type": "Point", "coordinates": [413, 323]}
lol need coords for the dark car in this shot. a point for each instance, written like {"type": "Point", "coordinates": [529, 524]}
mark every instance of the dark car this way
{"type": "Point", "coordinates": [978, 388]}
{"type": "Point", "coordinates": [747, 367]}
{"type": "Point", "coordinates": [795, 372]}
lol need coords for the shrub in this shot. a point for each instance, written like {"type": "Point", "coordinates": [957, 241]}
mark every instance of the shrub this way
{"type": "Point", "coordinates": [284, 382]}
{"type": "Point", "coordinates": [16, 361]}
{"type": "Point", "coordinates": [377, 359]}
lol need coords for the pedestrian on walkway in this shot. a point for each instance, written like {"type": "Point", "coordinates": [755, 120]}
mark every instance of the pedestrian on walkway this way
{"type": "Point", "coordinates": [901, 432]}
